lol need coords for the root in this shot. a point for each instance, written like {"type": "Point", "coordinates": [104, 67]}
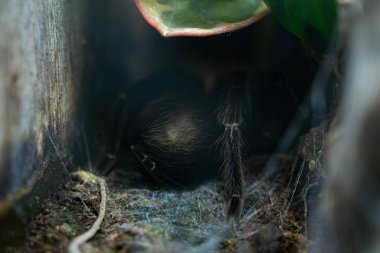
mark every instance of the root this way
{"type": "Point", "coordinates": [82, 238]}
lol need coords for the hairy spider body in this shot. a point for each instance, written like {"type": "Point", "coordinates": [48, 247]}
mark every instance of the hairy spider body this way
{"type": "Point", "coordinates": [177, 132]}
{"type": "Point", "coordinates": [182, 135]}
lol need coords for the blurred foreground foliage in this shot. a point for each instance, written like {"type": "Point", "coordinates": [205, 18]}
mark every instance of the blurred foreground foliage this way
{"type": "Point", "coordinates": [312, 21]}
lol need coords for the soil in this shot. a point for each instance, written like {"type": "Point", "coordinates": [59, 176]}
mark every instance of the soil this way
{"type": "Point", "coordinates": [139, 219]}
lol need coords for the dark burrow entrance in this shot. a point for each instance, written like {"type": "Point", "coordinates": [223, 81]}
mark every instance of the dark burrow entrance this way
{"type": "Point", "coordinates": [152, 129]}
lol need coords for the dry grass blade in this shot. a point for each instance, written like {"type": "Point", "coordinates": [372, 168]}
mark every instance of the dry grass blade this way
{"type": "Point", "coordinates": [85, 176]}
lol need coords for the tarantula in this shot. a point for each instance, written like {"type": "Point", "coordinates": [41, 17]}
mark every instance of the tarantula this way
{"type": "Point", "coordinates": [182, 135]}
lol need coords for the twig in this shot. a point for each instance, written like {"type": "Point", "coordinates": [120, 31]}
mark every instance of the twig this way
{"type": "Point", "coordinates": [82, 238]}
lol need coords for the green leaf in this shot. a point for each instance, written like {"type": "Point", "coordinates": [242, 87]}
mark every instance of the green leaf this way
{"type": "Point", "coordinates": [313, 21]}
{"type": "Point", "coordinates": [200, 17]}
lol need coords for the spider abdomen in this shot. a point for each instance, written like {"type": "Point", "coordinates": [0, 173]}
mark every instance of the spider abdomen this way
{"type": "Point", "coordinates": [179, 135]}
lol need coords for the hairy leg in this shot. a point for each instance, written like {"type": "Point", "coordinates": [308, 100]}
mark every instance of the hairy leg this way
{"type": "Point", "coordinates": [231, 116]}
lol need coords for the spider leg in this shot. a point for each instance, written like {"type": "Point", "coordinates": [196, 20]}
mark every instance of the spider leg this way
{"type": "Point", "coordinates": [150, 167]}
{"type": "Point", "coordinates": [231, 116]}
{"type": "Point", "coordinates": [232, 168]}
